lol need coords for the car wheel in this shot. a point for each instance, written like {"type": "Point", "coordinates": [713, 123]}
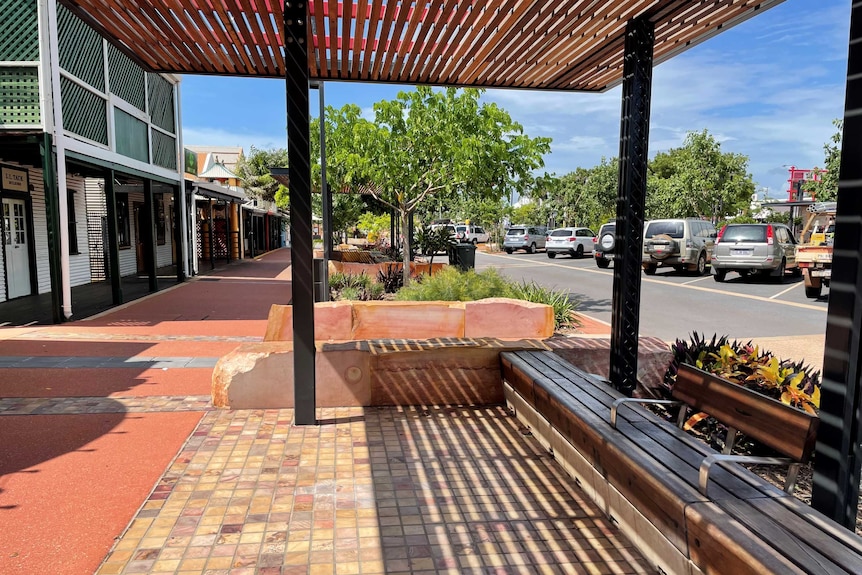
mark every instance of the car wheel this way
{"type": "Point", "coordinates": [552, 255]}
{"type": "Point", "coordinates": [720, 275]}
{"type": "Point", "coordinates": [475, 241]}
{"type": "Point", "coordinates": [650, 269]}
{"type": "Point", "coordinates": [508, 250]}
{"type": "Point", "coordinates": [532, 248]}
{"type": "Point", "coordinates": [796, 272]}
{"type": "Point", "coordinates": [701, 265]}
{"type": "Point", "coordinates": [603, 263]}
{"type": "Point", "coordinates": [812, 292]}
{"type": "Point", "coordinates": [779, 273]}
{"type": "Point", "coordinates": [579, 253]}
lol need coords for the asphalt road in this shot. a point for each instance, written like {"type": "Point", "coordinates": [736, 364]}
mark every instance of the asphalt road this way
{"type": "Point", "coordinates": [673, 305]}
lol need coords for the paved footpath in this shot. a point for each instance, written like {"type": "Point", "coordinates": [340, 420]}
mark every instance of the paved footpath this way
{"type": "Point", "coordinates": [115, 463]}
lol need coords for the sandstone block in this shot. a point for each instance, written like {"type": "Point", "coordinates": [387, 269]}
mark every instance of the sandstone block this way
{"type": "Point", "coordinates": [507, 318]}
{"type": "Point", "coordinates": [407, 320]}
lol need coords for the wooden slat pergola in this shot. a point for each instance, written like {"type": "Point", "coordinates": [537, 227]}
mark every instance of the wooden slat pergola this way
{"type": "Point", "coordinates": [536, 45]}
{"type": "Point", "coordinates": [566, 45]}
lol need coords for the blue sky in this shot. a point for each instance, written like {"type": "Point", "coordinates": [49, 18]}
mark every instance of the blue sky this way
{"type": "Point", "coordinates": [768, 88]}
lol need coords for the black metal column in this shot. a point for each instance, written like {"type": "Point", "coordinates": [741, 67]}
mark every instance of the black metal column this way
{"type": "Point", "coordinates": [631, 197]}
{"type": "Point", "coordinates": [113, 239]}
{"type": "Point", "coordinates": [302, 251]}
{"type": "Point", "coordinates": [837, 460]}
{"type": "Point", "coordinates": [178, 233]}
{"type": "Point", "coordinates": [52, 205]}
{"type": "Point", "coordinates": [211, 233]}
{"type": "Point", "coordinates": [149, 236]}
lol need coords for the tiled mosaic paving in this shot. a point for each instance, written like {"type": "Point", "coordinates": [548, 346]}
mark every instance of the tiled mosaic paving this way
{"type": "Point", "coordinates": [374, 490]}
{"type": "Point", "coordinates": [78, 405]}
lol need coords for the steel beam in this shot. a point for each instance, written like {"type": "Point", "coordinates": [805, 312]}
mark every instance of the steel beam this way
{"type": "Point", "coordinates": [631, 198]}
{"type": "Point", "coordinates": [149, 237]}
{"type": "Point", "coordinates": [837, 461]}
{"type": "Point", "coordinates": [302, 254]}
{"type": "Point", "coordinates": [113, 239]}
{"type": "Point", "coordinates": [49, 183]}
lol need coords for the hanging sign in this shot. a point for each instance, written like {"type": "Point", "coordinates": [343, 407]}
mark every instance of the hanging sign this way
{"type": "Point", "coordinates": [14, 180]}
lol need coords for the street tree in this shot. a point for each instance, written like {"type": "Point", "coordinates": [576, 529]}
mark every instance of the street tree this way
{"type": "Point", "coordinates": [698, 179]}
{"type": "Point", "coordinates": [429, 142]}
{"type": "Point", "coordinates": [253, 173]}
{"type": "Point", "coordinates": [826, 189]}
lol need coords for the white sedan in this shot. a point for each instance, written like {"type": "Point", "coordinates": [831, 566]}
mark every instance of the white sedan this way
{"type": "Point", "coordinates": [571, 241]}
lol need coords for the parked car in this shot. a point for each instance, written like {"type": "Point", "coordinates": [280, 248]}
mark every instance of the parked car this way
{"type": "Point", "coordinates": [571, 241]}
{"type": "Point", "coordinates": [528, 238]}
{"type": "Point", "coordinates": [471, 234]}
{"type": "Point", "coordinates": [768, 249]}
{"type": "Point", "coordinates": [603, 244]}
{"type": "Point", "coordinates": [684, 244]}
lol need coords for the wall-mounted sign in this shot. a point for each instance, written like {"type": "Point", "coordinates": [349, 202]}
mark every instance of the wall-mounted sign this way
{"type": "Point", "coordinates": [191, 162]}
{"type": "Point", "coordinates": [14, 180]}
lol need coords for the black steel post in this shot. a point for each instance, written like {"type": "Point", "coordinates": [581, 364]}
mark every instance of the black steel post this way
{"type": "Point", "coordinates": [326, 197]}
{"type": "Point", "coordinates": [837, 461]}
{"type": "Point", "coordinates": [302, 247]}
{"type": "Point", "coordinates": [113, 239]}
{"type": "Point", "coordinates": [52, 205]}
{"type": "Point", "coordinates": [631, 197]}
{"type": "Point", "coordinates": [211, 233]}
{"type": "Point", "coordinates": [178, 234]}
{"type": "Point", "coordinates": [149, 236]}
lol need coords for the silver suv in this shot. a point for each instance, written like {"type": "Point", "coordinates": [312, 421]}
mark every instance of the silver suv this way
{"type": "Point", "coordinates": [529, 238]}
{"type": "Point", "coordinates": [748, 248]}
{"type": "Point", "coordinates": [684, 244]}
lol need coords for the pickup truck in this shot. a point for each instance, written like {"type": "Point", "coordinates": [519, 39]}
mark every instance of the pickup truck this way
{"type": "Point", "coordinates": [814, 256]}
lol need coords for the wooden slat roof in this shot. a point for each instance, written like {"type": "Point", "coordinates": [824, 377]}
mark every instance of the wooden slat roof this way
{"type": "Point", "coordinates": [533, 44]}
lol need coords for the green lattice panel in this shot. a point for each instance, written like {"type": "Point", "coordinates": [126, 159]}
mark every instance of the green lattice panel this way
{"type": "Point", "coordinates": [164, 150]}
{"type": "Point", "coordinates": [126, 79]}
{"type": "Point", "coordinates": [19, 41]}
{"type": "Point", "coordinates": [84, 113]}
{"type": "Point", "coordinates": [80, 49]}
{"type": "Point", "coordinates": [161, 102]}
{"type": "Point", "coordinates": [19, 96]}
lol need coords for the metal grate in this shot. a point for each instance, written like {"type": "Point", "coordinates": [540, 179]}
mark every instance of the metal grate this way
{"type": "Point", "coordinates": [84, 113]}
{"type": "Point", "coordinates": [20, 39]}
{"type": "Point", "coordinates": [97, 234]}
{"type": "Point", "coordinates": [19, 96]}
{"type": "Point", "coordinates": [126, 78]}
{"type": "Point", "coordinates": [164, 150]}
{"type": "Point", "coordinates": [161, 100]}
{"type": "Point", "coordinates": [81, 52]}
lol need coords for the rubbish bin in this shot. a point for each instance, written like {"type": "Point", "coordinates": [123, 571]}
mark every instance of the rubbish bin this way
{"type": "Point", "coordinates": [463, 256]}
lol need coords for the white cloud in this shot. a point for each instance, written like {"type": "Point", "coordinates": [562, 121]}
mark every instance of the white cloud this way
{"type": "Point", "coordinates": [205, 136]}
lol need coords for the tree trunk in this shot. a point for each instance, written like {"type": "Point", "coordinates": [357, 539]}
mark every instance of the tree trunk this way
{"type": "Point", "coordinates": [405, 244]}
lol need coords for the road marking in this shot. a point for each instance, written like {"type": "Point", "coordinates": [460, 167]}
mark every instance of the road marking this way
{"type": "Point", "coordinates": [700, 279]}
{"type": "Point", "coordinates": [684, 286]}
{"type": "Point", "coordinates": [785, 291]}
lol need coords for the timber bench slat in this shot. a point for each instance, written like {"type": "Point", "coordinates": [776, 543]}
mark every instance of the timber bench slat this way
{"type": "Point", "coordinates": [744, 526]}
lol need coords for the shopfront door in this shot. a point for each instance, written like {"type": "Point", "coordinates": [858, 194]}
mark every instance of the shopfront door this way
{"type": "Point", "coordinates": [17, 250]}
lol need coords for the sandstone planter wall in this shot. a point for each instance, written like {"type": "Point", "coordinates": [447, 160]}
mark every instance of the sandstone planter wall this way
{"type": "Point", "coordinates": [502, 318]}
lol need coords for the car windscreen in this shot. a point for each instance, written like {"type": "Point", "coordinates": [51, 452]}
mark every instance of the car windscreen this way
{"type": "Point", "coordinates": [561, 233]}
{"type": "Point", "coordinates": [515, 232]}
{"type": "Point", "coordinates": [672, 229]}
{"type": "Point", "coordinates": [744, 233]}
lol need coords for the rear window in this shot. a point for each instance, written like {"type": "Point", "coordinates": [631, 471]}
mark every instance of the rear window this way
{"type": "Point", "coordinates": [515, 232]}
{"type": "Point", "coordinates": [561, 233]}
{"type": "Point", "coordinates": [744, 233]}
{"type": "Point", "coordinates": [608, 229]}
{"type": "Point", "coordinates": [460, 229]}
{"type": "Point", "coordinates": [672, 229]}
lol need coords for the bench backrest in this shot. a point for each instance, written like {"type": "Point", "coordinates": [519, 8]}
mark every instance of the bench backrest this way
{"type": "Point", "coordinates": [784, 428]}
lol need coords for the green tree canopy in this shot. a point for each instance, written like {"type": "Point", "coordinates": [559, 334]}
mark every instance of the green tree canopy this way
{"type": "Point", "coordinates": [253, 173]}
{"type": "Point", "coordinates": [826, 190]}
{"type": "Point", "coordinates": [430, 142]}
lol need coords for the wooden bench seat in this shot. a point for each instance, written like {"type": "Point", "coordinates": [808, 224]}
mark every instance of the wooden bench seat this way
{"type": "Point", "coordinates": [644, 473]}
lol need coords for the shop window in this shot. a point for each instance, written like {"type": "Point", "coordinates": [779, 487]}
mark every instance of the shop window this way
{"type": "Point", "coordinates": [73, 224]}
{"type": "Point", "coordinates": [124, 235]}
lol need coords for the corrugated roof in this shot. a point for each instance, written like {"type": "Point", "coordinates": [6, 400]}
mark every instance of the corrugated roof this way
{"type": "Point", "coordinates": [536, 44]}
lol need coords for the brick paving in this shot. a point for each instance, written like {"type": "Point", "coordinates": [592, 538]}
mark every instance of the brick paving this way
{"type": "Point", "coordinates": [421, 490]}
{"type": "Point", "coordinates": [375, 490]}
